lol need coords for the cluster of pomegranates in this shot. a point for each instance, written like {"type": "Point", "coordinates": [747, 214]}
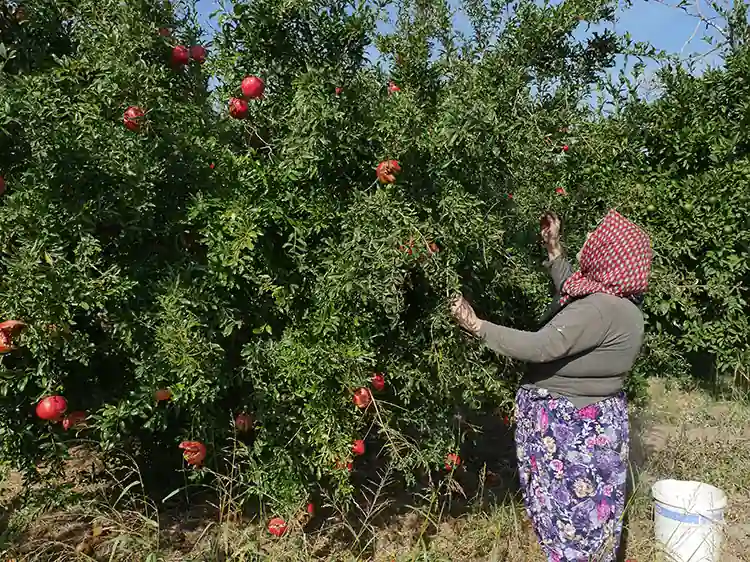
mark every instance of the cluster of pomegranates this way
{"type": "Point", "coordinates": [52, 409]}
{"type": "Point", "coordinates": [252, 88]}
{"type": "Point", "coordinates": [181, 55]}
{"type": "Point", "coordinates": [194, 452]}
{"type": "Point", "coordinates": [411, 249]}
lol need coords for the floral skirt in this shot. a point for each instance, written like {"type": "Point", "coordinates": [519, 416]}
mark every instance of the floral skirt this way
{"type": "Point", "coordinates": [573, 466]}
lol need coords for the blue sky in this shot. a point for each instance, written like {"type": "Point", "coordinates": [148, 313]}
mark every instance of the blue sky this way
{"type": "Point", "coordinates": [665, 27]}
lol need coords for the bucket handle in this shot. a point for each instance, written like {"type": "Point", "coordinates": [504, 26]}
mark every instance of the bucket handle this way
{"type": "Point", "coordinates": [690, 518]}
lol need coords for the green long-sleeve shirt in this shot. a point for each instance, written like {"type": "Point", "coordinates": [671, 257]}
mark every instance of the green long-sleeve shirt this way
{"type": "Point", "coordinates": [584, 352]}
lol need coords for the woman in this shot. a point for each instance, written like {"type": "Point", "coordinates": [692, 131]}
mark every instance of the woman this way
{"type": "Point", "coordinates": [571, 411]}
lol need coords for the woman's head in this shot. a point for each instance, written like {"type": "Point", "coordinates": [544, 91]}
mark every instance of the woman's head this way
{"type": "Point", "coordinates": [616, 259]}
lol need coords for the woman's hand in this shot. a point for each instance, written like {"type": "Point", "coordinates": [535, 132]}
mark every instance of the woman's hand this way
{"type": "Point", "coordinates": [465, 315]}
{"type": "Point", "coordinates": [550, 224]}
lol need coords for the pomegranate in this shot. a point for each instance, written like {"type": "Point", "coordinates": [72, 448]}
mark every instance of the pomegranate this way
{"type": "Point", "coordinates": [198, 53]}
{"type": "Point", "coordinates": [73, 419]}
{"type": "Point", "coordinates": [452, 460]}
{"type": "Point", "coordinates": [194, 452]}
{"type": "Point", "coordinates": [51, 408]}
{"type": "Point", "coordinates": [133, 117]}
{"type": "Point", "coordinates": [277, 526]}
{"type": "Point", "coordinates": [387, 170]}
{"type": "Point", "coordinates": [378, 381]}
{"type": "Point", "coordinates": [341, 465]}
{"type": "Point", "coordinates": [163, 394]}
{"type": "Point", "coordinates": [358, 447]}
{"type": "Point", "coordinates": [362, 398]}
{"type": "Point", "coordinates": [392, 88]}
{"type": "Point", "coordinates": [2, 185]}
{"type": "Point", "coordinates": [252, 87]}
{"type": "Point", "coordinates": [339, 89]}
{"type": "Point", "coordinates": [409, 248]}
{"type": "Point", "coordinates": [180, 55]}
{"type": "Point", "coordinates": [243, 423]}
{"type": "Point", "coordinates": [8, 331]}
{"type": "Point", "coordinates": [238, 108]}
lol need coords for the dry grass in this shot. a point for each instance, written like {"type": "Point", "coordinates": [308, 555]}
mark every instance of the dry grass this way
{"type": "Point", "coordinates": [682, 435]}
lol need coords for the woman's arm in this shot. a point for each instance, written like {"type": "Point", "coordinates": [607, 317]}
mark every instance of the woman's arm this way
{"type": "Point", "coordinates": [558, 265]}
{"type": "Point", "coordinates": [559, 269]}
{"type": "Point", "coordinates": [579, 327]}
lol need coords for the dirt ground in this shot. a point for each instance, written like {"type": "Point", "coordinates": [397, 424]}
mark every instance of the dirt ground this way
{"type": "Point", "coordinates": [681, 434]}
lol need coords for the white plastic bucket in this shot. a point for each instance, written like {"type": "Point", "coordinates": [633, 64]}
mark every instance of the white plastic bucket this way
{"type": "Point", "coordinates": [688, 520]}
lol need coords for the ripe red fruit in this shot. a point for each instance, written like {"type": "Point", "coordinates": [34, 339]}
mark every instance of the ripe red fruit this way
{"type": "Point", "coordinates": [73, 419]}
{"type": "Point", "coordinates": [409, 248]}
{"type": "Point", "coordinates": [238, 108]}
{"type": "Point", "coordinates": [311, 509]}
{"type": "Point", "coordinates": [194, 452]}
{"type": "Point", "coordinates": [561, 191]}
{"type": "Point", "coordinates": [392, 88]}
{"type": "Point", "coordinates": [2, 185]}
{"type": "Point", "coordinates": [180, 55]}
{"type": "Point", "coordinates": [51, 408]}
{"type": "Point", "coordinates": [378, 381]}
{"type": "Point", "coordinates": [162, 394]}
{"type": "Point", "coordinates": [8, 330]}
{"type": "Point", "coordinates": [133, 117]}
{"type": "Point", "coordinates": [277, 526]}
{"type": "Point", "coordinates": [387, 170]}
{"type": "Point", "coordinates": [212, 165]}
{"type": "Point", "coordinates": [510, 196]}
{"type": "Point", "coordinates": [358, 447]}
{"type": "Point", "coordinates": [362, 398]}
{"type": "Point", "coordinates": [565, 148]}
{"type": "Point", "coordinates": [341, 465]}
{"type": "Point", "coordinates": [198, 53]}
{"type": "Point", "coordinates": [452, 460]}
{"type": "Point", "coordinates": [339, 89]}
{"type": "Point", "coordinates": [252, 87]}
{"type": "Point", "coordinates": [506, 419]}
{"type": "Point", "coordinates": [243, 423]}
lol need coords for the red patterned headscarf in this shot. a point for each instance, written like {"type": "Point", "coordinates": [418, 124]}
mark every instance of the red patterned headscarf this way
{"type": "Point", "coordinates": [616, 259]}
